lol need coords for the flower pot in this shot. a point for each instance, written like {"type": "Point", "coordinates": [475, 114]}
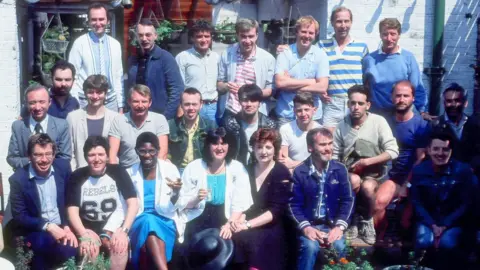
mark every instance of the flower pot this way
{"type": "Point", "coordinates": [406, 267]}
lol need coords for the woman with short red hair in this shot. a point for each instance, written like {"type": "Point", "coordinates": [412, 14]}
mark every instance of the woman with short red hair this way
{"type": "Point", "coordinates": [260, 239]}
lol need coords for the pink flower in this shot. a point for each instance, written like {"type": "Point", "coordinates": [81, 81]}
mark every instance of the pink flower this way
{"type": "Point", "coordinates": [29, 244]}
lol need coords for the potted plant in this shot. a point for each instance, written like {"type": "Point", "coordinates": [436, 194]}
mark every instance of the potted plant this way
{"type": "Point", "coordinates": [101, 263]}
{"type": "Point", "coordinates": [55, 39]}
{"type": "Point", "coordinates": [354, 259]}
{"type": "Point", "coordinates": [414, 263]}
{"type": "Point", "coordinates": [168, 31]}
{"type": "Point", "coordinates": [225, 32]}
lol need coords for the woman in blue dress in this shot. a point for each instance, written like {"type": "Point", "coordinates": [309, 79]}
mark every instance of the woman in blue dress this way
{"type": "Point", "coordinates": [158, 187]}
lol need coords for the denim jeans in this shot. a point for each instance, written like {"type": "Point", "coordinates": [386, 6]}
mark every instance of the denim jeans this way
{"type": "Point", "coordinates": [308, 249]}
{"type": "Point", "coordinates": [424, 238]}
{"type": "Point", "coordinates": [208, 111]}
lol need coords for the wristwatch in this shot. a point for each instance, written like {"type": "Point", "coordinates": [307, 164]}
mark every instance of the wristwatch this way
{"type": "Point", "coordinates": [125, 230]}
{"type": "Point", "coordinates": [249, 226]}
{"type": "Point", "coordinates": [342, 228]}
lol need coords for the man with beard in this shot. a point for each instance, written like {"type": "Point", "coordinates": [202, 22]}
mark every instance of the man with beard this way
{"type": "Point", "coordinates": [243, 63]}
{"type": "Point", "coordinates": [345, 55]}
{"type": "Point", "coordinates": [187, 133]}
{"type": "Point", "coordinates": [301, 68]}
{"type": "Point", "coordinates": [364, 142]}
{"type": "Point", "coordinates": [199, 67]}
{"type": "Point", "coordinates": [322, 200]}
{"type": "Point", "coordinates": [63, 74]}
{"type": "Point", "coordinates": [412, 133]}
{"type": "Point", "coordinates": [37, 101]}
{"type": "Point", "coordinates": [157, 69]}
{"type": "Point", "coordinates": [294, 146]}
{"type": "Point", "coordinates": [455, 100]}
{"type": "Point", "coordinates": [389, 65]}
{"type": "Point", "coordinates": [247, 121]}
{"type": "Point", "coordinates": [443, 190]}
{"type": "Point", "coordinates": [98, 53]}
{"type": "Point", "coordinates": [125, 128]}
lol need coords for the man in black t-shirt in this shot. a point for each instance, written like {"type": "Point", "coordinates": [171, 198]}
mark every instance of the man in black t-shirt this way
{"type": "Point", "coordinates": [102, 204]}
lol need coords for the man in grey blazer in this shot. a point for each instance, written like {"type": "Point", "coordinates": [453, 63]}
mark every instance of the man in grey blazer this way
{"type": "Point", "coordinates": [37, 101]}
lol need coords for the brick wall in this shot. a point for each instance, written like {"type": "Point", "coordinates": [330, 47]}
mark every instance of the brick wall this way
{"type": "Point", "coordinates": [9, 81]}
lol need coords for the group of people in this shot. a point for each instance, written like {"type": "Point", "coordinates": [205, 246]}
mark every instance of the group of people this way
{"type": "Point", "coordinates": [196, 165]}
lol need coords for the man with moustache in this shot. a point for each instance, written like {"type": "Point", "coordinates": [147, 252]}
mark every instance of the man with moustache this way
{"type": "Point", "coordinates": [247, 121]}
{"type": "Point", "coordinates": [37, 200]}
{"type": "Point", "coordinates": [199, 67]}
{"type": "Point", "coordinates": [37, 101]}
{"type": "Point", "coordinates": [443, 190]}
{"type": "Point", "coordinates": [157, 69]}
{"type": "Point", "coordinates": [345, 55]}
{"type": "Point", "coordinates": [243, 63]}
{"type": "Point", "coordinates": [389, 65]}
{"type": "Point", "coordinates": [453, 121]}
{"type": "Point", "coordinates": [322, 199]}
{"type": "Point", "coordinates": [364, 142]}
{"type": "Point", "coordinates": [62, 103]}
{"type": "Point", "coordinates": [187, 133]}
{"type": "Point", "coordinates": [294, 146]}
{"type": "Point", "coordinates": [412, 133]}
{"type": "Point", "coordinates": [125, 128]}
{"type": "Point", "coordinates": [301, 68]}
{"type": "Point", "coordinates": [98, 53]}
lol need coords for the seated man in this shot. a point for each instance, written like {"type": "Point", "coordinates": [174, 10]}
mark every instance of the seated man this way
{"type": "Point", "coordinates": [364, 142]}
{"type": "Point", "coordinates": [294, 146]}
{"type": "Point", "coordinates": [37, 199]}
{"type": "Point", "coordinates": [322, 200]}
{"type": "Point", "coordinates": [96, 204]}
{"type": "Point", "coordinates": [412, 132]}
{"type": "Point", "coordinates": [125, 128]}
{"type": "Point", "coordinates": [187, 133]}
{"type": "Point", "coordinates": [442, 191]}
{"type": "Point", "coordinates": [37, 101]}
{"type": "Point", "coordinates": [247, 121]}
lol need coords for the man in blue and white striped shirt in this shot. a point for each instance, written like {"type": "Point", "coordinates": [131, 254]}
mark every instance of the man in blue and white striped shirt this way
{"type": "Point", "coordinates": [345, 55]}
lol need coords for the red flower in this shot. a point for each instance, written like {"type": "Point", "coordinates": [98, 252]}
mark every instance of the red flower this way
{"type": "Point", "coordinates": [332, 262]}
{"type": "Point", "coordinates": [29, 244]}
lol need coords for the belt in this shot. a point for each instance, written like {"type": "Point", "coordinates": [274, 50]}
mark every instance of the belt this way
{"type": "Point", "coordinates": [209, 101]}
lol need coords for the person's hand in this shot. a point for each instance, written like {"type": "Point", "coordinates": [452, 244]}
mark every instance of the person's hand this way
{"type": "Point", "coordinates": [225, 231]}
{"type": "Point", "coordinates": [119, 242]}
{"type": "Point", "coordinates": [238, 226]}
{"type": "Point", "coordinates": [288, 162]}
{"type": "Point", "coordinates": [69, 238]}
{"type": "Point", "coordinates": [233, 87]}
{"type": "Point", "coordinates": [202, 194]}
{"type": "Point", "coordinates": [403, 192]}
{"type": "Point", "coordinates": [286, 74]}
{"type": "Point", "coordinates": [358, 166]}
{"type": "Point", "coordinates": [313, 234]}
{"type": "Point", "coordinates": [281, 48]}
{"type": "Point", "coordinates": [335, 234]}
{"type": "Point", "coordinates": [120, 110]}
{"type": "Point", "coordinates": [428, 117]}
{"type": "Point", "coordinates": [437, 230]}
{"type": "Point", "coordinates": [325, 98]}
{"type": "Point", "coordinates": [90, 244]}
{"type": "Point", "coordinates": [174, 185]}
{"type": "Point", "coordinates": [57, 232]}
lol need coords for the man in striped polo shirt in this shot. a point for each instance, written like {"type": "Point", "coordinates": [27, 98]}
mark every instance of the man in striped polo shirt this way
{"type": "Point", "coordinates": [345, 56]}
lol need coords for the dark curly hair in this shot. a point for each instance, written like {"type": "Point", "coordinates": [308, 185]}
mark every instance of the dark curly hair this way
{"type": "Point", "coordinates": [213, 137]}
{"type": "Point", "coordinates": [199, 26]}
{"type": "Point", "coordinates": [263, 135]}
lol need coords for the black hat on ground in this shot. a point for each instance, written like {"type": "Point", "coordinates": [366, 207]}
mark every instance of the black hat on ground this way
{"type": "Point", "coordinates": [208, 251]}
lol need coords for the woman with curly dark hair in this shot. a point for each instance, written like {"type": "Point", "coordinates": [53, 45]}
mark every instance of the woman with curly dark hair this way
{"type": "Point", "coordinates": [260, 238]}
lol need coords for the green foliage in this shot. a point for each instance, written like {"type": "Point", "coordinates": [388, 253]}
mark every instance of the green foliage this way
{"type": "Point", "coordinates": [354, 259]}
{"type": "Point", "coordinates": [225, 32]}
{"type": "Point", "coordinates": [101, 263]}
{"type": "Point", "coordinates": [23, 254]}
{"type": "Point", "coordinates": [49, 60]}
{"type": "Point", "coordinates": [166, 30]}
{"type": "Point", "coordinates": [57, 33]}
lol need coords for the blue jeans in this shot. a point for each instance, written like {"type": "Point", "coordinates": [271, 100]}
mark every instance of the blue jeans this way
{"type": "Point", "coordinates": [424, 238]}
{"type": "Point", "coordinates": [48, 253]}
{"type": "Point", "coordinates": [208, 111]}
{"type": "Point", "coordinates": [308, 249]}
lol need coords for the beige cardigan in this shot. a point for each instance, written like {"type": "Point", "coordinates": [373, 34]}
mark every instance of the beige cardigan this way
{"type": "Point", "coordinates": [77, 122]}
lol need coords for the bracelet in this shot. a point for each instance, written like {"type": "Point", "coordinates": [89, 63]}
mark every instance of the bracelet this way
{"type": "Point", "coordinates": [106, 236]}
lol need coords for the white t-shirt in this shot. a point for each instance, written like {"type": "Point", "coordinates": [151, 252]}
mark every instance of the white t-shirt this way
{"type": "Point", "coordinates": [296, 140]}
{"type": "Point", "coordinates": [249, 130]}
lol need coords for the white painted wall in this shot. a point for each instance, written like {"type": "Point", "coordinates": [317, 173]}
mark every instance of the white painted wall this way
{"type": "Point", "coordinates": [9, 81]}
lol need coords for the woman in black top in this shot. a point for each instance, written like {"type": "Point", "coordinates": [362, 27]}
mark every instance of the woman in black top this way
{"type": "Point", "coordinates": [260, 239]}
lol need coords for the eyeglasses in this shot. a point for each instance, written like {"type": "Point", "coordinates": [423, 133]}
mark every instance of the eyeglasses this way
{"type": "Point", "coordinates": [48, 155]}
{"type": "Point", "coordinates": [143, 152]}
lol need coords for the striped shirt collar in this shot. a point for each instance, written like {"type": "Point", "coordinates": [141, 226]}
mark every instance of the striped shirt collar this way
{"type": "Point", "coordinates": [335, 43]}
{"type": "Point", "coordinates": [250, 58]}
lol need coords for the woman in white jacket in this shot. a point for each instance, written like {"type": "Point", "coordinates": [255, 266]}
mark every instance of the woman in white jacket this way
{"type": "Point", "coordinates": [158, 187]}
{"type": "Point", "coordinates": [217, 187]}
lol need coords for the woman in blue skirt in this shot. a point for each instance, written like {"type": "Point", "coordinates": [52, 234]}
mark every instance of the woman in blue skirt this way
{"type": "Point", "coordinates": [158, 185]}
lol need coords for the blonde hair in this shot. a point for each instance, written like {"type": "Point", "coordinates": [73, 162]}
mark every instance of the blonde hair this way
{"type": "Point", "coordinates": [390, 23]}
{"type": "Point", "coordinates": [307, 20]}
{"type": "Point", "coordinates": [141, 89]}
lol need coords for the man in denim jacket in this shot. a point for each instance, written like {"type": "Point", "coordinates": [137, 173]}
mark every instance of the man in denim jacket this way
{"type": "Point", "coordinates": [322, 200]}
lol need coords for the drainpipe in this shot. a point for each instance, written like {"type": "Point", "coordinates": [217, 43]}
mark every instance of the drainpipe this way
{"type": "Point", "coordinates": [436, 71]}
{"type": "Point", "coordinates": [476, 67]}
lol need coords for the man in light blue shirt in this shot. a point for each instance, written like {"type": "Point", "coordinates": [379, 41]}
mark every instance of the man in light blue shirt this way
{"type": "Point", "coordinates": [302, 67]}
{"type": "Point", "coordinates": [199, 67]}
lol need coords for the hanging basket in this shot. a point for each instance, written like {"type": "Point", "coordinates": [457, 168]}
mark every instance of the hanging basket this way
{"type": "Point", "coordinates": [225, 37]}
{"type": "Point", "coordinates": [54, 39]}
